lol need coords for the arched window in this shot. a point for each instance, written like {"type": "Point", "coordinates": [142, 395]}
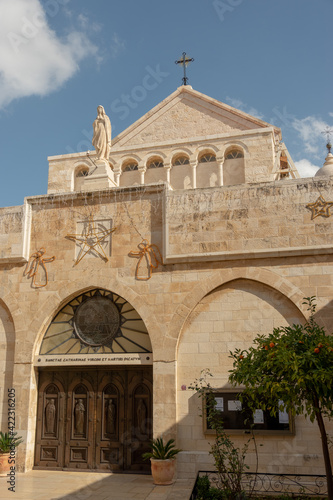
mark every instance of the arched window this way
{"type": "Point", "coordinates": [233, 166]}
{"type": "Point", "coordinates": [181, 160]}
{"type": "Point", "coordinates": [97, 321]}
{"type": "Point", "coordinates": [207, 157]}
{"type": "Point", "coordinates": [83, 172]}
{"type": "Point", "coordinates": [235, 153]}
{"type": "Point", "coordinates": [155, 163]}
{"type": "Point", "coordinates": [130, 166]}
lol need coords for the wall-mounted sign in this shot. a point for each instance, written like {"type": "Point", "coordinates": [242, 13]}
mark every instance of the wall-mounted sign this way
{"type": "Point", "coordinates": [237, 417]}
{"type": "Point", "coordinates": [94, 359]}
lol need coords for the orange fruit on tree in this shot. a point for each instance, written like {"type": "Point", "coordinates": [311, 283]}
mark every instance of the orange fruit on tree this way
{"type": "Point", "coordinates": [317, 350]}
{"type": "Point", "coordinates": [271, 344]}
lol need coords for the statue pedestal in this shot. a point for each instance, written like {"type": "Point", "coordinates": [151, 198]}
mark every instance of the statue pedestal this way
{"type": "Point", "coordinates": [102, 177]}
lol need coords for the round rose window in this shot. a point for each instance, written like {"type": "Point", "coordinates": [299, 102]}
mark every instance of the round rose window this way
{"type": "Point", "coordinates": [96, 321]}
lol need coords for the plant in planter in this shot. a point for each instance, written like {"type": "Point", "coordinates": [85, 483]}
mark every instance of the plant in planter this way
{"type": "Point", "coordinates": [162, 459]}
{"type": "Point", "coordinates": [8, 443]}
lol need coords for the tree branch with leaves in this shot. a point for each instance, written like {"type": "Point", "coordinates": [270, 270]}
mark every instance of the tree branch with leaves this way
{"type": "Point", "coordinates": [293, 365]}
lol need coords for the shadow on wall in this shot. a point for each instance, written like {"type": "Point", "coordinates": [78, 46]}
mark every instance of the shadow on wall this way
{"type": "Point", "coordinates": [7, 339]}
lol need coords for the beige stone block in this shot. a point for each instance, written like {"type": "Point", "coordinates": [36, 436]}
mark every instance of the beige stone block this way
{"type": "Point", "coordinates": [316, 280]}
{"type": "Point", "coordinates": [186, 348]}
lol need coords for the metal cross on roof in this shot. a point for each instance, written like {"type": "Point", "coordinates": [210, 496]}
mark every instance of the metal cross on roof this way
{"type": "Point", "coordinates": [185, 60]}
{"type": "Point", "coordinates": [328, 131]}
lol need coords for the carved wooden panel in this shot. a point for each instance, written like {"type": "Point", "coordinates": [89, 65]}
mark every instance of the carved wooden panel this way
{"type": "Point", "coordinates": [50, 418]}
{"type": "Point", "coordinates": [98, 419]}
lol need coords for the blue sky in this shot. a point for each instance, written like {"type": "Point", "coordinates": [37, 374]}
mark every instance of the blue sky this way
{"type": "Point", "coordinates": [60, 59]}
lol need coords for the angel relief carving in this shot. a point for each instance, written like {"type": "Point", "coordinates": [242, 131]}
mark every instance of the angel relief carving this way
{"type": "Point", "coordinates": [149, 258]}
{"type": "Point", "coordinates": [36, 268]}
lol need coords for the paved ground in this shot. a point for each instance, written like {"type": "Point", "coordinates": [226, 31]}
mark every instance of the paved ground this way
{"type": "Point", "coordinates": [47, 485]}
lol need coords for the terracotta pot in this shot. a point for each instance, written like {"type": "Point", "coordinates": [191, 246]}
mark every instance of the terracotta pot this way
{"type": "Point", "coordinates": [163, 470]}
{"type": "Point", "coordinates": [4, 464]}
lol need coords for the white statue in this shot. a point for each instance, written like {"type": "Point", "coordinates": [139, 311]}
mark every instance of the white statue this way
{"type": "Point", "coordinates": [102, 134]}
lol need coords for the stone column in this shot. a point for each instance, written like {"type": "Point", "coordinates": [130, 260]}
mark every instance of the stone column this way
{"type": "Point", "coordinates": [220, 164]}
{"type": "Point", "coordinates": [117, 173]}
{"type": "Point", "coordinates": [194, 173]}
{"type": "Point", "coordinates": [142, 171]}
{"type": "Point", "coordinates": [168, 173]}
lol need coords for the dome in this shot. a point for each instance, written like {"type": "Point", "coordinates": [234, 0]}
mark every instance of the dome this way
{"type": "Point", "coordinates": [327, 168]}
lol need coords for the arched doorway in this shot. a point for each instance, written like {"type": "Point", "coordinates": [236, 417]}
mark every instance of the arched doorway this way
{"type": "Point", "coordinates": [92, 416]}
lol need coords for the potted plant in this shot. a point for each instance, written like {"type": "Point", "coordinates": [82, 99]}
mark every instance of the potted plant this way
{"type": "Point", "coordinates": [162, 459]}
{"type": "Point", "coordinates": [8, 442]}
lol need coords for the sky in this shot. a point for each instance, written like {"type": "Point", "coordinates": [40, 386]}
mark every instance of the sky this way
{"type": "Point", "coordinates": [60, 59]}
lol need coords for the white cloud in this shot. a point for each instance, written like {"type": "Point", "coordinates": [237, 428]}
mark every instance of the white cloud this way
{"type": "Point", "coordinates": [331, 114]}
{"type": "Point", "coordinates": [83, 20]}
{"type": "Point", "coordinates": [238, 104]}
{"type": "Point", "coordinates": [33, 60]}
{"type": "Point", "coordinates": [118, 45]}
{"type": "Point", "coordinates": [310, 130]}
{"type": "Point", "coordinates": [306, 168]}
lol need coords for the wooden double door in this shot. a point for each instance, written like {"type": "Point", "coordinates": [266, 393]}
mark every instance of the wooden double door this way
{"type": "Point", "coordinates": [94, 419]}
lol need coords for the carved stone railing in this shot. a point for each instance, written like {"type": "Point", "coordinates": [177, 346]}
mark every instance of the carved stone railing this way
{"type": "Point", "coordinates": [262, 483]}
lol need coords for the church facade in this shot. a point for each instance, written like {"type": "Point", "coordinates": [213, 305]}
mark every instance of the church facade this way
{"type": "Point", "coordinates": [146, 263]}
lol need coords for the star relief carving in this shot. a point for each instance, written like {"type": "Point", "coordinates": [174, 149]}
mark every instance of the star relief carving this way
{"type": "Point", "coordinates": [91, 240]}
{"type": "Point", "coordinates": [320, 207]}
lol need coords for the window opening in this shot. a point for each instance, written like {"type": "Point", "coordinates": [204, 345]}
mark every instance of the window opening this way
{"type": "Point", "coordinates": [206, 158]}
{"type": "Point", "coordinates": [129, 167]}
{"type": "Point", "coordinates": [234, 154]}
{"type": "Point", "coordinates": [155, 164]}
{"type": "Point", "coordinates": [82, 173]}
{"type": "Point", "coordinates": [181, 160]}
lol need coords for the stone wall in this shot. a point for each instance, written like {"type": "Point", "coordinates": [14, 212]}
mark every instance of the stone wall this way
{"type": "Point", "coordinates": [196, 306]}
{"type": "Point", "coordinates": [11, 233]}
{"type": "Point", "coordinates": [226, 319]}
{"type": "Point", "coordinates": [256, 219]}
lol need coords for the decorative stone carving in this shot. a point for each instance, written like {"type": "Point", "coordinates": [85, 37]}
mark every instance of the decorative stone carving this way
{"type": "Point", "coordinates": [111, 417]}
{"type": "Point", "coordinates": [79, 417]}
{"type": "Point", "coordinates": [141, 413]}
{"type": "Point", "coordinates": [102, 134]}
{"type": "Point", "coordinates": [50, 411]}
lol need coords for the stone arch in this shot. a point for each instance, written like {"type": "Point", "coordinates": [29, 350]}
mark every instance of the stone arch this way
{"type": "Point", "coordinates": [76, 180]}
{"type": "Point", "coordinates": [81, 324]}
{"type": "Point", "coordinates": [181, 175]}
{"type": "Point", "coordinates": [130, 157]}
{"type": "Point", "coordinates": [127, 159]}
{"type": "Point", "coordinates": [154, 154]}
{"type": "Point", "coordinates": [228, 317]}
{"type": "Point", "coordinates": [153, 175]}
{"type": "Point", "coordinates": [236, 144]}
{"type": "Point", "coordinates": [48, 308]}
{"type": "Point", "coordinates": [207, 170]}
{"type": "Point", "coordinates": [129, 177]}
{"type": "Point", "coordinates": [7, 341]}
{"type": "Point", "coordinates": [52, 305]}
{"type": "Point", "coordinates": [11, 304]}
{"type": "Point", "coordinates": [180, 152]}
{"type": "Point", "coordinates": [234, 169]}
{"type": "Point", "coordinates": [220, 278]}
{"type": "Point", "coordinates": [206, 148]}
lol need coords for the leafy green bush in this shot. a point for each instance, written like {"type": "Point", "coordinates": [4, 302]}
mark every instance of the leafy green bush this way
{"type": "Point", "coordinates": [229, 460]}
{"type": "Point", "coordinates": [161, 451]}
{"type": "Point", "coordinates": [8, 441]}
{"type": "Point", "coordinates": [291, 369]}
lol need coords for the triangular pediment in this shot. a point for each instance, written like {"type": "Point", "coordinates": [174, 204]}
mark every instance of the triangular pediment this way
{"type": "Point", "coordinates": [186, 114]}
